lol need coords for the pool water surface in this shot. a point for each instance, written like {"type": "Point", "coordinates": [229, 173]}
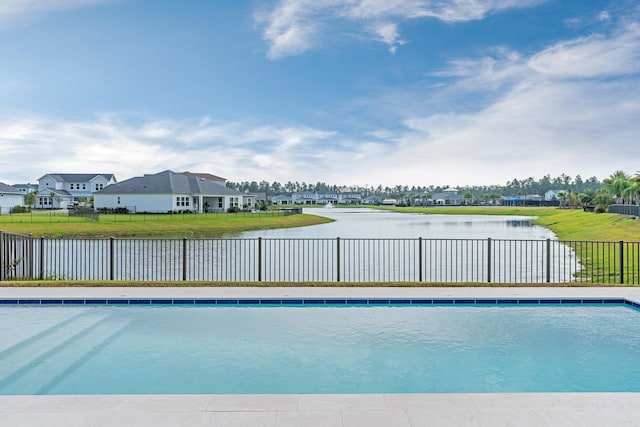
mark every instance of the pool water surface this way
{"type": "Point", "coordinates": [213, 349]}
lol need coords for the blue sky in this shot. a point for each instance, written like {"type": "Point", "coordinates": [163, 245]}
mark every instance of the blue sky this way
{"type": "Point", "coordinates": [347, 92]}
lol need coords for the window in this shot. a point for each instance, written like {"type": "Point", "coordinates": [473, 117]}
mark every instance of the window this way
{"type": "Point", "coordinates": [84, 186]}
{"type": "Point", "coordinates": [182, 201]}
{"type": "Point", "coordinates": [220, 205]}
{"type": "Point", "coordinates": [233, 201]}
{"type": "Point", "coordinates": [71, 185]}
{"type": "Point", "coordinates": [98, 187]}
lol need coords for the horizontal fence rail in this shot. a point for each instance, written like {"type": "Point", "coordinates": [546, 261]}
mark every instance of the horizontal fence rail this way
{"type": "Point", "coordinates": [349, 260]}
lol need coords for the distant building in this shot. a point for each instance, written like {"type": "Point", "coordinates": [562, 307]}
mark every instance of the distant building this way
{"type": "Point", "coordinates": [169, 191]}
{"type": "Point", "coordinates": [281, 200]}
{"type": "Point", "coordinates": [10, 197]}
{"type": "Point", "coordinates": [64, 190]}
{"type": "Point", "coordinates": [449, 196]}
{"type": "Point", "coordinates": [350, 198]}
{"type": "Point", "coordinates": [26, 188]}
{"type": "Point", "coordinates": [304, 198]}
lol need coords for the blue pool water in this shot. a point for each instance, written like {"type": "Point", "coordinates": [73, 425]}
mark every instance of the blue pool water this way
{"type": "Point", "coordinates": [349, 349]}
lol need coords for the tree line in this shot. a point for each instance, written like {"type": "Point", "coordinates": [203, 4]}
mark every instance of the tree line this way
{"type": "Point", "coordinates": [619, 187]}
{"type": "Point", "coordinates": [515, 187]}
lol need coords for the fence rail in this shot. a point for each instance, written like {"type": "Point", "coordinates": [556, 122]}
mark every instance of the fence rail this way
{"type": "Point", "coordinates": [320, 260]}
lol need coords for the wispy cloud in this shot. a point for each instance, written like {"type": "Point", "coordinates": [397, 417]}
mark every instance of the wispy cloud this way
{"type": "Point", "coordinates": [565, 109]}
{"type": "Point", "coordinates": [129, 146]}
{"type": "Point", "coordinates": [15, 11]}
{"type": "Point", "coordinates": [295, 26]}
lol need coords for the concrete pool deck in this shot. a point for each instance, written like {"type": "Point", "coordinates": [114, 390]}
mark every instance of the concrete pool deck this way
{"type": "Point", "coordinates": [370, 410]}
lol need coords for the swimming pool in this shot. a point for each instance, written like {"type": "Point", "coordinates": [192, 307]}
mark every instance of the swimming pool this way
{"type": "Point", "coordinates": [317, 346]}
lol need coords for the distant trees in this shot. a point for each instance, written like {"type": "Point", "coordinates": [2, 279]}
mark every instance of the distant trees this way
{"type": "Point", "coordinates": [574, 188]}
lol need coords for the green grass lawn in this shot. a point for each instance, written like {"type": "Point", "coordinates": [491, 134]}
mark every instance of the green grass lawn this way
{"type": "Point", "coordinates": [140, 225]}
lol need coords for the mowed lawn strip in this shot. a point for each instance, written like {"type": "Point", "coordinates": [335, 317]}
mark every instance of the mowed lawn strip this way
{"type": "Point", "coordinates": [144, 226]}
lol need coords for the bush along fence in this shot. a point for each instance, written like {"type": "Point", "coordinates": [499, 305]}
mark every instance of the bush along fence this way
{"type": "Point", "coordinates": [320, 260]}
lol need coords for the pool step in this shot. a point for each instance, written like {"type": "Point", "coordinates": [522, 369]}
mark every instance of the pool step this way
{"type": "Point", "coordinates": [34, 365]}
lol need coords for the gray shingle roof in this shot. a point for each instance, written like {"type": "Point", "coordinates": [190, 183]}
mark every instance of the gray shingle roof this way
{"type": "Point", "coordinates": [169, 182]}
{"type": "Point", "coordinates": [7, 189]}
{"type": "Point", "coordinates": [77, 177]}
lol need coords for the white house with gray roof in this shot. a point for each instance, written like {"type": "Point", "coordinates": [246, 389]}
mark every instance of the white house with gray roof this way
{"type": "Point", "coordinates": [9, 198]}
{"type": "Point", "coordinates": [63, 190]}
{"type": "Point", "coordinates": [169, 191]}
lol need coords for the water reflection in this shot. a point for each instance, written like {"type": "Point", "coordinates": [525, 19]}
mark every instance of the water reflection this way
{"type": "Point", "coordinates": [374, 223]}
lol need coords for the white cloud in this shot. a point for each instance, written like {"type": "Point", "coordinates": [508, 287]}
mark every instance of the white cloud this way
{"type": "Point", "coordinates": [295, 26]}
{"type": "Point", "coordinates": [592, 56]}
{"type": "Point", "coordinates": [130, 146]}
{"type": "Point", "coordinates": [562, 117]}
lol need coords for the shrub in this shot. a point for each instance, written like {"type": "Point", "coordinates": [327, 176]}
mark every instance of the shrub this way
{"type": "Point", "coordinates": [233, 209]}
{"type": "Point", "coordinates": [19, 209]}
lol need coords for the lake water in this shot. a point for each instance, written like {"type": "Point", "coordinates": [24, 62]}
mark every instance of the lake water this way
{"type": "Point", "coordinates": [361, 245]}
{"type": "Point", "coordinates": [375, 223]}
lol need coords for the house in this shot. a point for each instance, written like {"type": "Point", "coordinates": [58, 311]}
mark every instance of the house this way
{"type": "Point", "coordinates": [371, 200]}
{"type": "Point", "coordinates": [282, 200]}
{"type": "Point", "coordinates": [350, 198]}
{"type": "Point", "coordinates": [327, 197]}
{"type": "Point", "coordinates": [304, 198]}
{"type": "Point", "coordinates": [448, 196]}
{"type": "Point", "coordinates": [26, 188]}
{"type": "Point", "coordinates": [64, 190]}
{"type": "Point", "coordinates": [389, 202]}
{"type": "Point", "coordinates": [553, 194]}
{"type": "Point", "coordinates": [10, 197]}
{"type": "Point", "coordinates": [169, 191]}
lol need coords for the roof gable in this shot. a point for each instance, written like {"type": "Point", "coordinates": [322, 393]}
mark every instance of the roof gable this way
{"type": "Point", "coordinates": [169, 182]}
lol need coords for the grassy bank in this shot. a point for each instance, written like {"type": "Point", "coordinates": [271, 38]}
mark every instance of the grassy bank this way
{"type": "Point", "coordinates": [187, 225]}
{"type": "Point", "coordinates": [567, 224]}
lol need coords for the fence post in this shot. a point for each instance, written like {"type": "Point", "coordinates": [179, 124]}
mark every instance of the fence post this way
{"type": "Point", "coordinates": [41, 273]}
{"type": "Point", "coordinates": [259, 259]}
{"type": "Point", "coordinates": [489, 260]}
{"type": "Point", "coordinates": [184, 259]}
{"type": "Point", "coordinates": [419, 259]}
{"type": "Point", "coordinates": [621, 254]}
{"type": "Point", "coordinates": [337, 259]}
{"type": "Point", "coordinates": [111, 258]}
{"type": "Point", "coordinates": [548, 262]}
{"type": "Point", "coordinates": [1, 256]}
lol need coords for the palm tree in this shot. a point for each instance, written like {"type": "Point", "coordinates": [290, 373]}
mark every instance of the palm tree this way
{"type": "Point", "coordinates": [631, 192]}
{"type": "Point", "coordinates": [468, 197]}
{"type": "Point", "coordinates": [617, 183]}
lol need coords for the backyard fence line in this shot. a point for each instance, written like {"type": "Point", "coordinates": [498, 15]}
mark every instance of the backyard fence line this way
{"type": "Point", "coordinates": [348, 260]}
{"type": "Point", "coordinates": [632, 210]}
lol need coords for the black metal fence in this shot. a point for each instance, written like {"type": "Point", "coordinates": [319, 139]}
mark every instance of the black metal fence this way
{"type": "Point", "coordinates": [633, 210]}
{"type": "Point", "coordinates": [320, 260]}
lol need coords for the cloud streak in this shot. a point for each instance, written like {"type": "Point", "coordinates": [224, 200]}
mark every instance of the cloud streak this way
{"type": "Point", "coordinates": [293, 27]}
{"type": "Point", "coordinates": [15, 11]}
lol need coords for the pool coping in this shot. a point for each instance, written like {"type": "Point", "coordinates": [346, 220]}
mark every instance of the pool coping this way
{"type": "Point", "coordinates": [582, 409]}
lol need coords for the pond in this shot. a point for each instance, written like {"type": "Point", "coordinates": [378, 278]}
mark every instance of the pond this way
{"type": "Point", "coordinates": [375, 223]}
